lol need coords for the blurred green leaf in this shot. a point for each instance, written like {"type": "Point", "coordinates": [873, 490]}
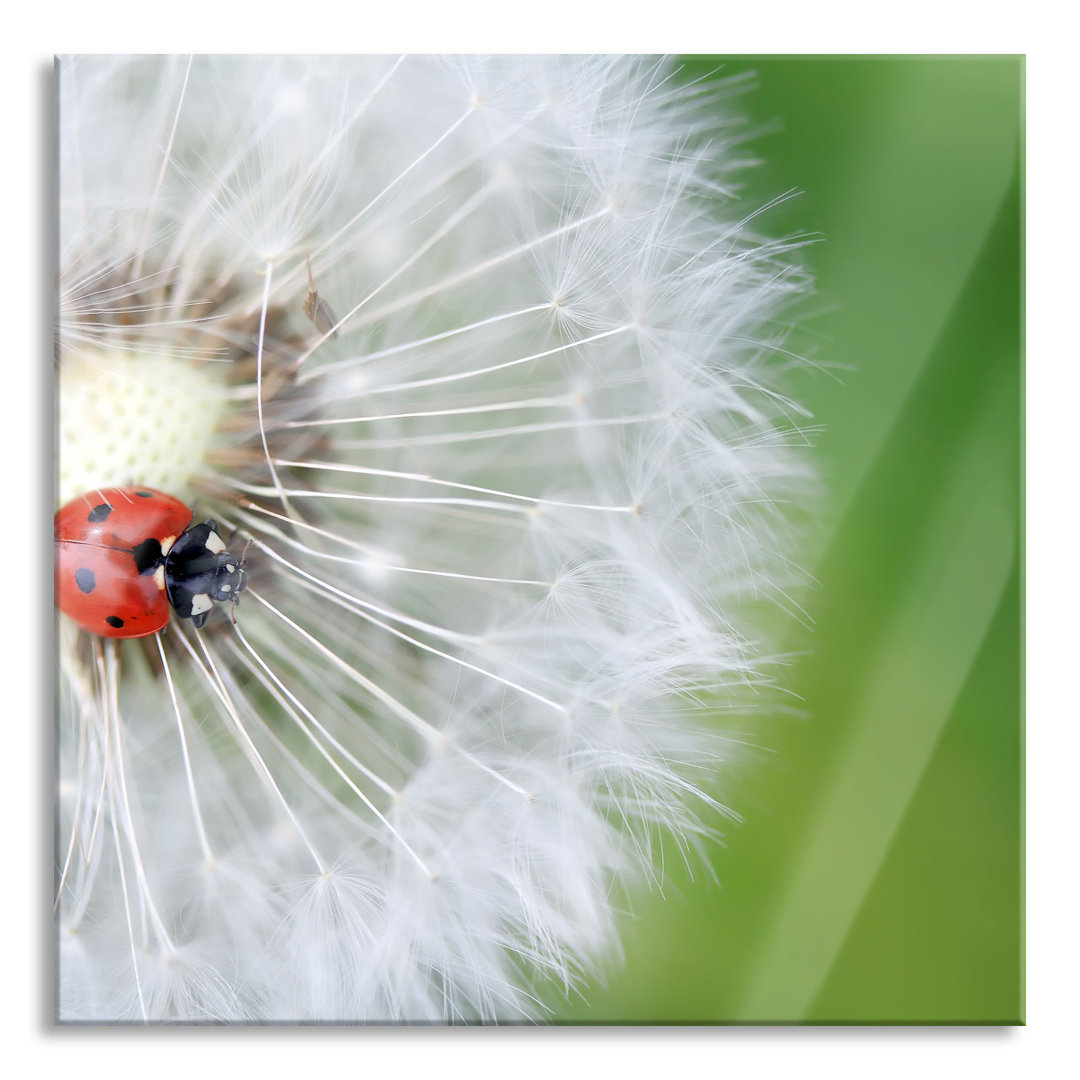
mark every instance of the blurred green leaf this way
{"type": "Point", "coordinates": [916, 574]}
{"type": "Point", "coordinates": [877, 876]}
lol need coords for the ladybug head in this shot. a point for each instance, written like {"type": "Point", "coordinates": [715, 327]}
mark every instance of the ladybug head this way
{"type": "Point", "coordinates": [200, 569]}
{"type": "Point", "coordinates": [232, 577]}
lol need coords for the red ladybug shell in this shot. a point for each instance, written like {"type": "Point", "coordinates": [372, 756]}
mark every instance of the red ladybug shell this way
{"type": "Point", "coordinates": [107, 544]}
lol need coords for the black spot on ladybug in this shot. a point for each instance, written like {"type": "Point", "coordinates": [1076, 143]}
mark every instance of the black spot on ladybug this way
{"type": "Point", "coordinates": [84, 579]}
{"type": "Point", "coordinates": [114, 621]}
{"type": "Point", "coordinates": [147, 556]}
{"type": "Point", "coordinates": [145, 494]}
{"type": "Point", "coordinates": [100, 512]}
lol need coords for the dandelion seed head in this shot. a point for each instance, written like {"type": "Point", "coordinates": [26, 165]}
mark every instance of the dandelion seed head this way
{"type": "Point", "coordinates": [504, 506]}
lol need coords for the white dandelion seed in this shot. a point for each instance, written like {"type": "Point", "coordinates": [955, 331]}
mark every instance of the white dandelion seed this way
{"type": "Point", "coordinates": [507, 483]}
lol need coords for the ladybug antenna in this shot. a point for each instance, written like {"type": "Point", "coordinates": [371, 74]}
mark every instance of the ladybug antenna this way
{"type": "Point", "coordinates": [236, 594]}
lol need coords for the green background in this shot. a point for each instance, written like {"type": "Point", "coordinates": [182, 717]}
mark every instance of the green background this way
{"type": "Point", "coordinates": [876, 876]}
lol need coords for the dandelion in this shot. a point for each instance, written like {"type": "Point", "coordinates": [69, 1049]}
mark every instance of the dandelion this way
{"type": "Point", "coordinates": [482, 357]}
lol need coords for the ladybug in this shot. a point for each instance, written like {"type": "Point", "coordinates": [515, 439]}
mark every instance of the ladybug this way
{"type": "Point", "coordinates": [124, 555]}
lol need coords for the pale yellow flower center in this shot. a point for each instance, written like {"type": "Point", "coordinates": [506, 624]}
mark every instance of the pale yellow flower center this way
{"type": "Point", "coordinates": [131, 418]}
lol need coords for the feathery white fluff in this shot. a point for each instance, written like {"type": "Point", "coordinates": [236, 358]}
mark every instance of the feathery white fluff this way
{"type": "Point", "coordinates": [507, 493]}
